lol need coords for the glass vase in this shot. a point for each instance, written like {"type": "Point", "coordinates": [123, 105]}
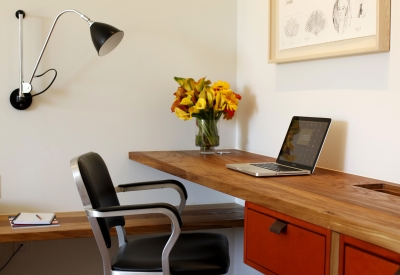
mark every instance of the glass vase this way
{"type": "Point", "coordinates": [207, 137]}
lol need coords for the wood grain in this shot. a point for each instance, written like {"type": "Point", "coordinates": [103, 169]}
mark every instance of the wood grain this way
{"type": "Point", "coordinates": [326, 198]}
{"type": "Point", "coordinates": [334, 268]}
{"type": "Point", "coordinates": [76, 225]}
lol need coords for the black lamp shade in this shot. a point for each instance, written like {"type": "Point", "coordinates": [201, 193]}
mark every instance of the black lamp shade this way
{"type": "Point", "coordinates": [105, 37]}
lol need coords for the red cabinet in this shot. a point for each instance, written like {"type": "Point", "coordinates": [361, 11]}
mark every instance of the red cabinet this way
{"type": "Point", "coordinates": [362, 258]}
{"type": "Point", "coordinates": [299, 248]}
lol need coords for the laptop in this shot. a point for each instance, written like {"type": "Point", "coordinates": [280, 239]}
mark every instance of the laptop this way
{"type": "Point", "coordinates": [299, 152]}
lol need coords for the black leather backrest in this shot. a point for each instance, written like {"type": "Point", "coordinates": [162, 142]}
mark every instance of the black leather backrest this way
{"type": "Point", "coordinates": [100, 189]}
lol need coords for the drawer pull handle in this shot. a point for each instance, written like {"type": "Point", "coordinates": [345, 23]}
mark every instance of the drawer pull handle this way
{"type": "Point", "coordinates": [397, 272]}
{"type": "Point", "coordinates": [278, 226]}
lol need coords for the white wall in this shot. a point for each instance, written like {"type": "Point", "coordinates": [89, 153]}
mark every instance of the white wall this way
{"type": "Point", "coordinates": [360, 93]}
{"type": "Point", "coordinates": [110, 105]}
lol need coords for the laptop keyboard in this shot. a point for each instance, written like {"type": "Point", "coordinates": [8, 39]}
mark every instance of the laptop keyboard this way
{"type": "Point", "coordinates": [275, 167]}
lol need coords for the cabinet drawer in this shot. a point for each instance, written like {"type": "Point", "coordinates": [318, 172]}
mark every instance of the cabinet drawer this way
{"type": "Point", "coordinates": [296, 250]}
{"type": "Point", "coordinates": [358, 262]}
{"type": "Point", "coordinates": [361, 258]}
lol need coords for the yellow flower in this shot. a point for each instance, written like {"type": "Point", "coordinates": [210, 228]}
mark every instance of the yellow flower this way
{"type": "Point", "coordinates": [182, 114]}
{"type": "Point", "coordinates": [191, 93]}
{"type": "Point", "coordinates": [221, 85]}
{"type": "Point", "coordinates": [201, 104]}
{"type": "Point", "coordinates": [231, 101]}
{"type": "Point", "coordinates": [193, 110]}
{"type": "Point", "coordinates": [187, 100]}
{"type": "Point", "coordinates": [219, 102]}
{"type": "Point", "coordinates": [189, 84]}
{"type": "Point", "coordinates": [210, 94]}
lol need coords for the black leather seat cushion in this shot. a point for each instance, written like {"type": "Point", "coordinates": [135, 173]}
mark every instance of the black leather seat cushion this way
{"type": "Point", "coordinates": [193, 253]}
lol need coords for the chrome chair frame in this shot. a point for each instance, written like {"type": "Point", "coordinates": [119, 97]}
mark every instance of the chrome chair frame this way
{"type": "Point", "coordinates": [93, 214]}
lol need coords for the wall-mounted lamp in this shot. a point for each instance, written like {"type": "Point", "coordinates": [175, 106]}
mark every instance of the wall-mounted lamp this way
{"type": "Point", "coordinates": [105, 38]}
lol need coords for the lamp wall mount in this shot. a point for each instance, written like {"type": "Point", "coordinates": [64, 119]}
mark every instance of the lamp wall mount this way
{"type": "Point", "coordinates": [20, 12]}
{"type": "Point", "coordinates": [104, 37]}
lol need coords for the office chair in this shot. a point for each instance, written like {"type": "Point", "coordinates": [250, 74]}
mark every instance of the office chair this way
{"type": "Point", "coordinates": [175, 253]}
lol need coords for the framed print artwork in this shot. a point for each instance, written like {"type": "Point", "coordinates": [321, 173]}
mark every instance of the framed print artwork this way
{"type": "Point", "coordinates": [314, 29]}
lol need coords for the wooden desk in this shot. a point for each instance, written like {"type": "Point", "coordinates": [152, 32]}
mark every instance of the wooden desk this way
{"type": "Point", "coordinates": [76, 225]}
{"type": "Point", "coordinates": [327, 198]}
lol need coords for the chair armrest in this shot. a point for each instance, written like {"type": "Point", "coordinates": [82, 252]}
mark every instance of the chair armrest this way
{"type": "Point", "coordinates": [127, 210]}
{"type": "Point", "coordinates": [159, 184]}
{"type": "Point", "coordinates": [152, 185]}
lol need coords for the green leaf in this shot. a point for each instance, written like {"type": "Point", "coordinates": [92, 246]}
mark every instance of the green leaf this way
{"type": "Point", "coordinates": [180, 80]}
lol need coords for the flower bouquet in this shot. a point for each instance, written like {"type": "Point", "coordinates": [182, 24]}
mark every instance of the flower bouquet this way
{"type": "Point", "coordinates": [207, 103]}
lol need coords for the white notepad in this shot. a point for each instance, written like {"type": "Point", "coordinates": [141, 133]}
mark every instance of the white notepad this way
{"type": "Point", "coordinates": [34, 218]}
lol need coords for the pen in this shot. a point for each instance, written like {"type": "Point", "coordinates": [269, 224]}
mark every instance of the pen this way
{"type": "Point", "coordinates": [38, 216]}
{"type": "Point", "coordinates": [16, 216]}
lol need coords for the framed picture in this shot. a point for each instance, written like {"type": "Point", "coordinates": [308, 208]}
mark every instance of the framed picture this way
{"type": "Point", "coordinates": [312, 29]}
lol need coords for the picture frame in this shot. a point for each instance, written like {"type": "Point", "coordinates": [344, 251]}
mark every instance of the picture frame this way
{"type": "Point", "coordinates": [380, 42]}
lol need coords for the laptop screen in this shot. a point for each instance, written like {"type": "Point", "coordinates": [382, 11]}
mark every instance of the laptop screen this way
{"type": "Point", "coordinates": [303, 142]}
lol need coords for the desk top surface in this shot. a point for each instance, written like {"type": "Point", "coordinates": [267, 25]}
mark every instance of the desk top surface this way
{"type": "Point", "coordinates": [326, 198]}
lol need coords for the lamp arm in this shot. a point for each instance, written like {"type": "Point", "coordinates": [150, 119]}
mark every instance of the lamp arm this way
{"type": "Point", "coordinates": [49, 35]}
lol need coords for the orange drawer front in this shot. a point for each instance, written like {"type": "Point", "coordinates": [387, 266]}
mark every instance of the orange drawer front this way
{"type": "Point", "coordinates": [294, 251]}
{"type": "Point", "coordinates": [358, 262]}
{"type": "Point", "coordinates": [360, 257]}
